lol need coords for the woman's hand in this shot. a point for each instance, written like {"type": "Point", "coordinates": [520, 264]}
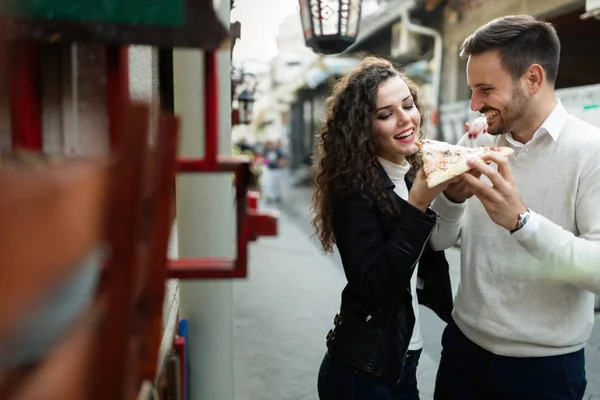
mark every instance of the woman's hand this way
{"type": "Point", "coordinates": [421, 195]}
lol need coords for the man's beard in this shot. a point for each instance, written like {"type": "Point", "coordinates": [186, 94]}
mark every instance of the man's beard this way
{"type": "Point", "coordinates": [515, 110]}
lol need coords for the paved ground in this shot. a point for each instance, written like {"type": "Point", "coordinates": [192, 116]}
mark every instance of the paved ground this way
{"type": "Point", "coordinates": [285, 308]}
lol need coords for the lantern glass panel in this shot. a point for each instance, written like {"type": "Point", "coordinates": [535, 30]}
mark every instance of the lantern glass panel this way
{"type": "Point", "coordinates": [305, 17]}
{"type": "Point", "coordinates": [315, 6]}
{"type": "Point", "coordinates": [249, 109]}
{"type": "Point", "coordinates": [344, 14]}
{"type": "Point", "coordinates": [243, 115]}
{"type": "Point", "coordinates": [245, 109]}
{"type": "Point", "coordinates": [353, 16]}
{"type": "Point", "coordinates": [329, 15]}
{"type": "Point", "coordinates": [330, 26]}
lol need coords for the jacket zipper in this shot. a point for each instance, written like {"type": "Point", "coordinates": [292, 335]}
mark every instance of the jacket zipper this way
{"type": "Point", "coordinates": [437, 219]}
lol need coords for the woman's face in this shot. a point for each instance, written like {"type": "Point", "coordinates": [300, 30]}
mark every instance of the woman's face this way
{"type": "Point", "coordinates": [396, 121]}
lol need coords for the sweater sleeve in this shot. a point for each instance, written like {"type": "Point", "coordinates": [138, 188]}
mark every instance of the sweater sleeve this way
{"type": "Point", "coordinates": [563, 255]}
{"type": "Point", "coordinates": [447, 231]}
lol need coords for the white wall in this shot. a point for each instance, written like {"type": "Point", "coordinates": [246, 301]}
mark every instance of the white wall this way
{"type": "Point", "coordinates": [206, 227]}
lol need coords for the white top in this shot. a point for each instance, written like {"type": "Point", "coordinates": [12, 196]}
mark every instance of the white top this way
{"type": "Point", "coordinates": [397, 173]}
{"type": "Point", "coordinates": [527, 294]}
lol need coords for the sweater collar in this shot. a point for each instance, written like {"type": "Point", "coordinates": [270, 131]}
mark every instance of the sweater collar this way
{"type": "Point", "coordinates": [396, 172]}
{"type": "Point", "coordinates": [552, 125]}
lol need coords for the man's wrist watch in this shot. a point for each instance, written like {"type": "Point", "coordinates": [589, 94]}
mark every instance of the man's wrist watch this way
{"type": "Point", "coordinates": [523, 218]}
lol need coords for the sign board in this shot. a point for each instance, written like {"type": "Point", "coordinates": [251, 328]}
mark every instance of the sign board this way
{"type": "Point", "coordinates": [163, 23]}
{"type": "Point", "coordinates": [164, 12]}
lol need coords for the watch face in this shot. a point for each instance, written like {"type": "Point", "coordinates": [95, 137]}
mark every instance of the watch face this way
{"type": "Point", "coordinates": [522, 219]}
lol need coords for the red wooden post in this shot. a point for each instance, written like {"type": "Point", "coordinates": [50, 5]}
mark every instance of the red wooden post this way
{"type": "Point", "coordinates": [25, 103]}
{"type": "Point", "coordinates": [117, 76]}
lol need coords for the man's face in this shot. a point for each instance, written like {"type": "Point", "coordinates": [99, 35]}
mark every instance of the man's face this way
{"type": "Point", "coordinates": [496, 94]}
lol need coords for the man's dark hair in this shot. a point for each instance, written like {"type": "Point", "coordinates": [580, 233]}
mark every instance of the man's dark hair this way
{"type": "Point", "coordinates": [522, 40]}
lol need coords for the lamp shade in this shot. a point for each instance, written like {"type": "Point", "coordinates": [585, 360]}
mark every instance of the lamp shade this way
{"type": "Point", "coordinates": [330, 26]}
{"type": "Point", "coordinates": [246, 104]}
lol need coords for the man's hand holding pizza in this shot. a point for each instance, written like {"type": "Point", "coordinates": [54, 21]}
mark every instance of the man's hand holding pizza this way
{"type": "Point", "coordinates": [461, 191]}
{"type": "Point", "coordinates": [501, 201]}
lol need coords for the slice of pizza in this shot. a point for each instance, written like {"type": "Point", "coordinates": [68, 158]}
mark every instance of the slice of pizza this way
{"type": "Point", "coordinates": [443, 161]}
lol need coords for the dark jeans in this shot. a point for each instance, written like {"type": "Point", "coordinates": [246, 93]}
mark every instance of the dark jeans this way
{"type": "Point", "coordinates": [469, 372]}
{"type": "Point", "coordinates": [339, 380]}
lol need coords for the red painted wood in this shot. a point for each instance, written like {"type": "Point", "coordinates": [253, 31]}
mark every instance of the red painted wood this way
{"type": "Point", "coordinates": [116, 369]}
{"type": "Point", "coordinates": [211, 107]}
{"type": "Point", "coordinates": [25, 103]}
{"type": "Point", "coordinates": [117, 78]}
{"type": "Point", "coordinates": [253, 197]}
{"type": "Point", "coordinates": [248, 226]}
{"type": "Point", "coordinates": [179, 344]}
{"type": "Point", "coordinates": [162, 213]}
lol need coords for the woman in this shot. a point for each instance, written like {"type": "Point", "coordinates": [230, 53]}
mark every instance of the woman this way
{"type": "Point", "coordinates": [371, 201]}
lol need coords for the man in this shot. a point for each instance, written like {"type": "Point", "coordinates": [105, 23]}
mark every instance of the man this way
{"type": "Point", "coordinates": [530, 236]}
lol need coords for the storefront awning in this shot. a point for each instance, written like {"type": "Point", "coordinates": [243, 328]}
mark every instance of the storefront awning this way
{"type": "Point", "coordinates": [315, 74]}
{"type": "Point", "coordinates": [326, 67]}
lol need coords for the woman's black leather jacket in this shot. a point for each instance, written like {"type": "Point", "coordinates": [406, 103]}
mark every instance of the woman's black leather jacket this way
{"type": "Point", "coordinates": [375, 323]}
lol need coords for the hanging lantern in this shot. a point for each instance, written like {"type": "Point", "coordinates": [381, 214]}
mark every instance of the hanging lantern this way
{"type": "Point", "coordinates": [245, 104]}
{"type": "Point", "coordinates": [330, 26]}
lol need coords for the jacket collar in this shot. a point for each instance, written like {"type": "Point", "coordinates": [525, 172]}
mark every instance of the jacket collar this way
{"type": "Point", "coordinates": [385, 178]}
{"type": "Point", "coordinates": [387, 182]}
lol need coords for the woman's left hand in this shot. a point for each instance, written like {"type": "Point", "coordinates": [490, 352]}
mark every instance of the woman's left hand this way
{"type": "Point", "coordinates": [421, 195]}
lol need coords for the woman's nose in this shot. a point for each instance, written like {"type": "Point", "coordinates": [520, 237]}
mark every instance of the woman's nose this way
{"type": "Point", "coordinates": [403, 117]}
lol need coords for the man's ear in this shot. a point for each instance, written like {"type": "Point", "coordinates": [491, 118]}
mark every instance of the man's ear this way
{"type": "Point", "coordinates": [534, 78]}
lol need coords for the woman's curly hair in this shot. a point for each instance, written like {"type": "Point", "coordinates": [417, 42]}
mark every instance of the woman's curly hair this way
{"type": "Point", "coordinates": [347, 151]}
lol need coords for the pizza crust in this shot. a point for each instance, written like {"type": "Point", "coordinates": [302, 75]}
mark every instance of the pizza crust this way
{"type": "Point", "coordinates": [438, 177]}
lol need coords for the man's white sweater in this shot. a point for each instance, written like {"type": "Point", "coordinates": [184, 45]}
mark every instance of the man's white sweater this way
{"type": "Point", "coordinates": [527, 294]}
